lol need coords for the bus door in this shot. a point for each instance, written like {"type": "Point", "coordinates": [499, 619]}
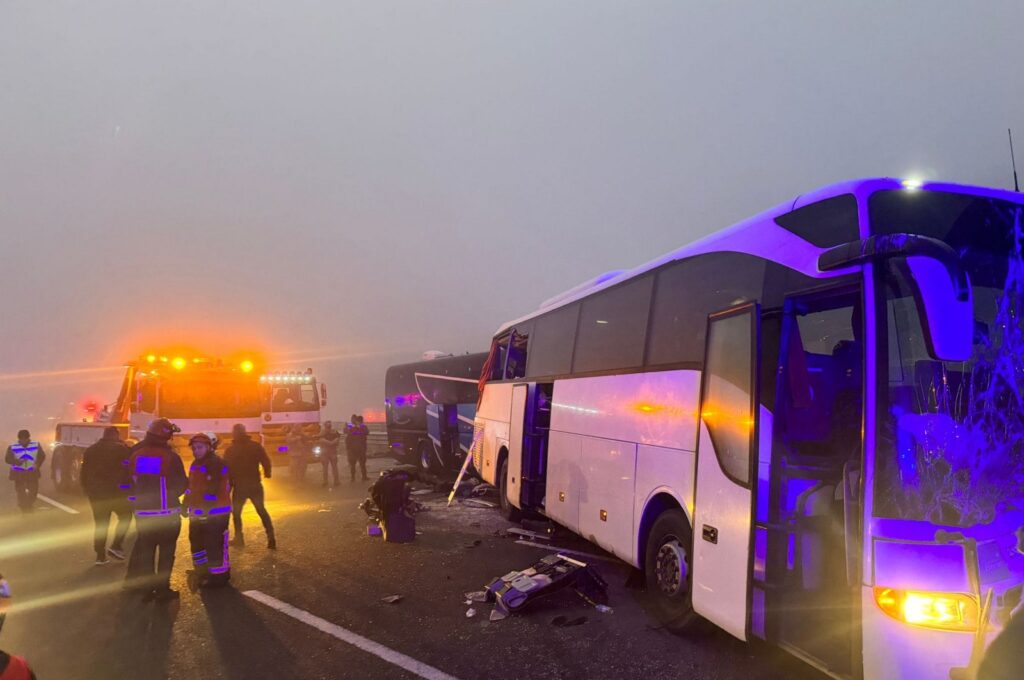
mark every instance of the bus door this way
{"type": "Point", "coordinates": [726, 452]}
{"type": "Point", "coordinates": [515, 444]}
{"type": "Point", "coordinates": [815, 454]}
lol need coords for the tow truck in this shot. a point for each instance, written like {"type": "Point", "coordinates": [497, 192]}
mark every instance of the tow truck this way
{"type": "Point", "coordinates": [198, 394]}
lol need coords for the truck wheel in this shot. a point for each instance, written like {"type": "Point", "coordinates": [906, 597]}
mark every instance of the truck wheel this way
{"type": "Point", "coordinates": [65, 469]}
{"type": "Point", "coordinates": [668, 571]}
{"type": "Point", "coordinates": [508, 511]}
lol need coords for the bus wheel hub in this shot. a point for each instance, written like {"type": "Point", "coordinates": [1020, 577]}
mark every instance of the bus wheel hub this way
{"type": "Point", "coordinates": [670, 569]}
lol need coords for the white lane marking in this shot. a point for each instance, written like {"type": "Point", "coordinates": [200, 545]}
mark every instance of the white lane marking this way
{"type": "Point", "coordinates": [57, 504]}
{"type": "Point", "coordinates": [380, 651]}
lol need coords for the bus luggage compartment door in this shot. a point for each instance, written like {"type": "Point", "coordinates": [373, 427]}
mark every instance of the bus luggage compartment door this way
{"type": "Point", "coordinates": [725, 451]}
{"type": "Point", "coordinates": [515, 444]}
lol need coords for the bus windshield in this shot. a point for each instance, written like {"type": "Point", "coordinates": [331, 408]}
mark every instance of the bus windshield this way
{"type": "Point", "coordinates": [951, 439]}
{"type": "Point", "coordinates": [209, 395]}
{"type": "Point", "coordinates": [291, 398]}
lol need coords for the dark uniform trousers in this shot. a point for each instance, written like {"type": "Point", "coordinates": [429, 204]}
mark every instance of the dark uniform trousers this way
{"type": "Point", "coordinates": [26, 488]}
{"type": "Point", "coordinates": [208, 538]}
{"type": "Point", "coordinates": [102, 508]}
{"type": "Point", "coordinates": [153, 554]}
{"type": "Point", "coordinates": [249, 491]}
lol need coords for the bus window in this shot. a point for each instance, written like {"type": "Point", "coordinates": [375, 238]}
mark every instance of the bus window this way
{"type": "Point", "coordinates": [820, 389]}
{"type": "Point", "coordinates": [552, 342]}
{"type": "Point", "coordinates": [613, 324]}
{"type": "Point", "coordinates": [727, 405]}
{"type": "Point", "coordinates": [515, 365]}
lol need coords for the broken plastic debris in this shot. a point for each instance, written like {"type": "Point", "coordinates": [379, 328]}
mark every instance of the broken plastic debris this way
{"type": "Point", "coordinates": [604, 609]}
{"type": "Point", "coordinates": [391, 599]}
{"type": "Point", "coordinates": [470, 613]}
{"type": "Point", "coordinates": [498, 615]}
{"type": "Point", "coordinates": [477, 596]}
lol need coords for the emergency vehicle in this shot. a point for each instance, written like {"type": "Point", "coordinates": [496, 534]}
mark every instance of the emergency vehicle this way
{"type": "Point", "coordinates": [198, 394]}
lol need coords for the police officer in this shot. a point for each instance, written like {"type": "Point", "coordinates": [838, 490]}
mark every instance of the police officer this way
{"type": "Point", "coordinates": [105, 479]}
{"type": "Point", "coordinates": [356, 434]}
{"type": "Point", "coordinates": [244, 458]}
{"type": "Point", "coordinates": [329, 440]}
{"type": "Point", "coordinates": [26, 460]}
{"type": "Point", "coordinates": [208, 500]}
{"type": "Point", "coordinates": [158, 481]}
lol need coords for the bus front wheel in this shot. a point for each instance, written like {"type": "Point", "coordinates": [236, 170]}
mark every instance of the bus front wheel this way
{"type": "Point", "coordinates": [668, 571]}
{"type": "Point", "coordinates": [508, 511]}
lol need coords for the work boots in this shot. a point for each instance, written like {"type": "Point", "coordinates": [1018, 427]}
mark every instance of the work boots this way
{"type": "Point", "coordinates": [271, 541]}
{"type": "Point", "coordinates": [238, 541]}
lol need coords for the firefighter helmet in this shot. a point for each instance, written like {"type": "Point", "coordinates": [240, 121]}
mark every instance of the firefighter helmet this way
{"type": "Point", "coordinates": [162, 428]}
{"type": "Point", "coordinates": [201, 437]}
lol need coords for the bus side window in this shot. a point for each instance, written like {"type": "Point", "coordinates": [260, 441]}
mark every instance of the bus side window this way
{"type": "Point", "coordinates": [516, 366]}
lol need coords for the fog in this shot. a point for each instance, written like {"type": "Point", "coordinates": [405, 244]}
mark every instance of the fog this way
{"type": "Point", "coordinates": [344, 185]}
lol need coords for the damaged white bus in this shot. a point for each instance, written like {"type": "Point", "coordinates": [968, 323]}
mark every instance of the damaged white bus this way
{"type": "Point", "coordinates": [806, 428]}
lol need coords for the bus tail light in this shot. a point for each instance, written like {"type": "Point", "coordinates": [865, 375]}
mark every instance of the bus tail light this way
{"type": "Point", "coordinates": [946, 611]}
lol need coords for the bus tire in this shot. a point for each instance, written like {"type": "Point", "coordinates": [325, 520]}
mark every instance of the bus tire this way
{"type": "Point", "coordinates": [668, 571]}
{"type": "Point", "coordinates": [425, 458]}
{"type": "Point", "coordinates": [508, 511]}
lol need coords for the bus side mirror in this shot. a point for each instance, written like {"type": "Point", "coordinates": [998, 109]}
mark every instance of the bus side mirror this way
{"type": "Point", "coordinates": [948, 311]}
{"type": "Point", "coordinates": [942, 288]}
{"type": "Point", "coordinates": [323, 395]}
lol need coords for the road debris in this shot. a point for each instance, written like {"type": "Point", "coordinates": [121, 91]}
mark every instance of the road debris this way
{"type": "Point", "coordinates": [603, 608]}
{"type": "Point", "coordinates": [474, 544]}
{"type": "Point", "coordinates": [530, 535]}
{"type": "Point", "coordinates": [477, 596]}
{"type": "Point", "coordinates": [516, 589]}
{"type": "Point", "coordinates": [477, 503]}
{"type": "Point", "coordinates": [392, 599]}
{"type": "Point", "coordinates": [470, 613]}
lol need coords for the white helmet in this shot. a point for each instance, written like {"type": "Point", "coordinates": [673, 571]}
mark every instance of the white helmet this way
{"type": "Point", "coordinates": [214, 440]}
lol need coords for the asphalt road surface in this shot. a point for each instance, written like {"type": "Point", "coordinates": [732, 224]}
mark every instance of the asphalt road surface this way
{"type": "Point", "coordinates": [313, 608]}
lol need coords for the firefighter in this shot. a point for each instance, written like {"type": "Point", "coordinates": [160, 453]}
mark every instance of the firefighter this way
{"type": "Point", "coordinates": [105, 479]}
{"type": "Point", "coordinates": [158, 481]}
{"type": "Point", "coordinates": [26, 460]}
{"type": "Point", "coordinates": [329, 440]}
{"type": "Point", "coordinates": [11, 667]}
{"type": "Point", "coordinates": [244, 458]}
{"type": "Point", "coordinates": [208, 503]}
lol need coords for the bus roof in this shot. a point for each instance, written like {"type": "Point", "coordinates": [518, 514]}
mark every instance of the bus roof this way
{"type": "Point", "coordinates": [761, 236]}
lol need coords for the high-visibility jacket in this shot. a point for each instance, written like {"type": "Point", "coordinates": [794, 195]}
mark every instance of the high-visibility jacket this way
{"type": "Point", "coordinates": [158, 479]}
{"type": "Point", "coordinates": [209, 488]}
{"type": "Point", "coordinates": [16, 669]}
{"type": "Point", "coordinates": [26, 457]}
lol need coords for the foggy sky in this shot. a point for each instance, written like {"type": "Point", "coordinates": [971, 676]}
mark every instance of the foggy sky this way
{"type": "Point", "coordinates": [375, 179]}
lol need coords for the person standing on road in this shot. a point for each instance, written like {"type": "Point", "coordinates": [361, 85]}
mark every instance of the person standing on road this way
{"type": "Point", "coordinates": [105, 479]}
{"type": "Point", "coordinates": [157, 482]}
{"type": "Point", "coordinates": [329, 440]}
{"type": "Point", "coordinates": [208, 501]}
{"type": "Point", "coordinates": [298, 453]}
{"type": "Point", "coordinates": [26, 460]}
{"type": "Point", "coordinates": [244, 458]}
{"type": "Point", "coordinates": [356, 434]}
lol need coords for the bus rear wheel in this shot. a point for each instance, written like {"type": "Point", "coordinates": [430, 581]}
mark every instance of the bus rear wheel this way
{"type": "Point", "coordinates": [668, 571]}
{"type": "Point", "coordinates": [426, 458]}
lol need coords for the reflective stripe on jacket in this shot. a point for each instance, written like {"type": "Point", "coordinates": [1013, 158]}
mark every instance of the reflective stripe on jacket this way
{"type": "Point", "coordinates": [26, 457]}
{"type": "Point", "coordinates": [209, 489]}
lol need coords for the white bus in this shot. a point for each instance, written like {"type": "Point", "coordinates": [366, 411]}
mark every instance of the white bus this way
{"type": "Point", "coordinates": [806, 428]}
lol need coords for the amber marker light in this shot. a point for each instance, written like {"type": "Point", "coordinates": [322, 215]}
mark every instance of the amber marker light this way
{"type": "Point", "coordinates": [945, 611]}
{"type": "Point", "coordinates": [246, 366]}
{"type": "Point", "coordinates": [178, 363]}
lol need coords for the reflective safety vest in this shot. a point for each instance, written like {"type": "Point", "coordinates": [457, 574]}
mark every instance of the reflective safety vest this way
{"type": "Point", "coordinates": [17, 669]}
{"type": "Point", "coordinates": [26, 456]}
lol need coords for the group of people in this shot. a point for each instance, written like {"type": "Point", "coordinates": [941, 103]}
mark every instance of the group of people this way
{"type": "Point", "coordinates": [148, 483]}
{"type": "Point", "coordinates": [355, 435]}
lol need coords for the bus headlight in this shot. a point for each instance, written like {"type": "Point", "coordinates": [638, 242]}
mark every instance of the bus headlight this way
{"type": "Point", "coordinates": [946, 611]}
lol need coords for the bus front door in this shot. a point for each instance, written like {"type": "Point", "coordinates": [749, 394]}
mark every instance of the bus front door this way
{"type": "Point", "coordinates": [725, 454]}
